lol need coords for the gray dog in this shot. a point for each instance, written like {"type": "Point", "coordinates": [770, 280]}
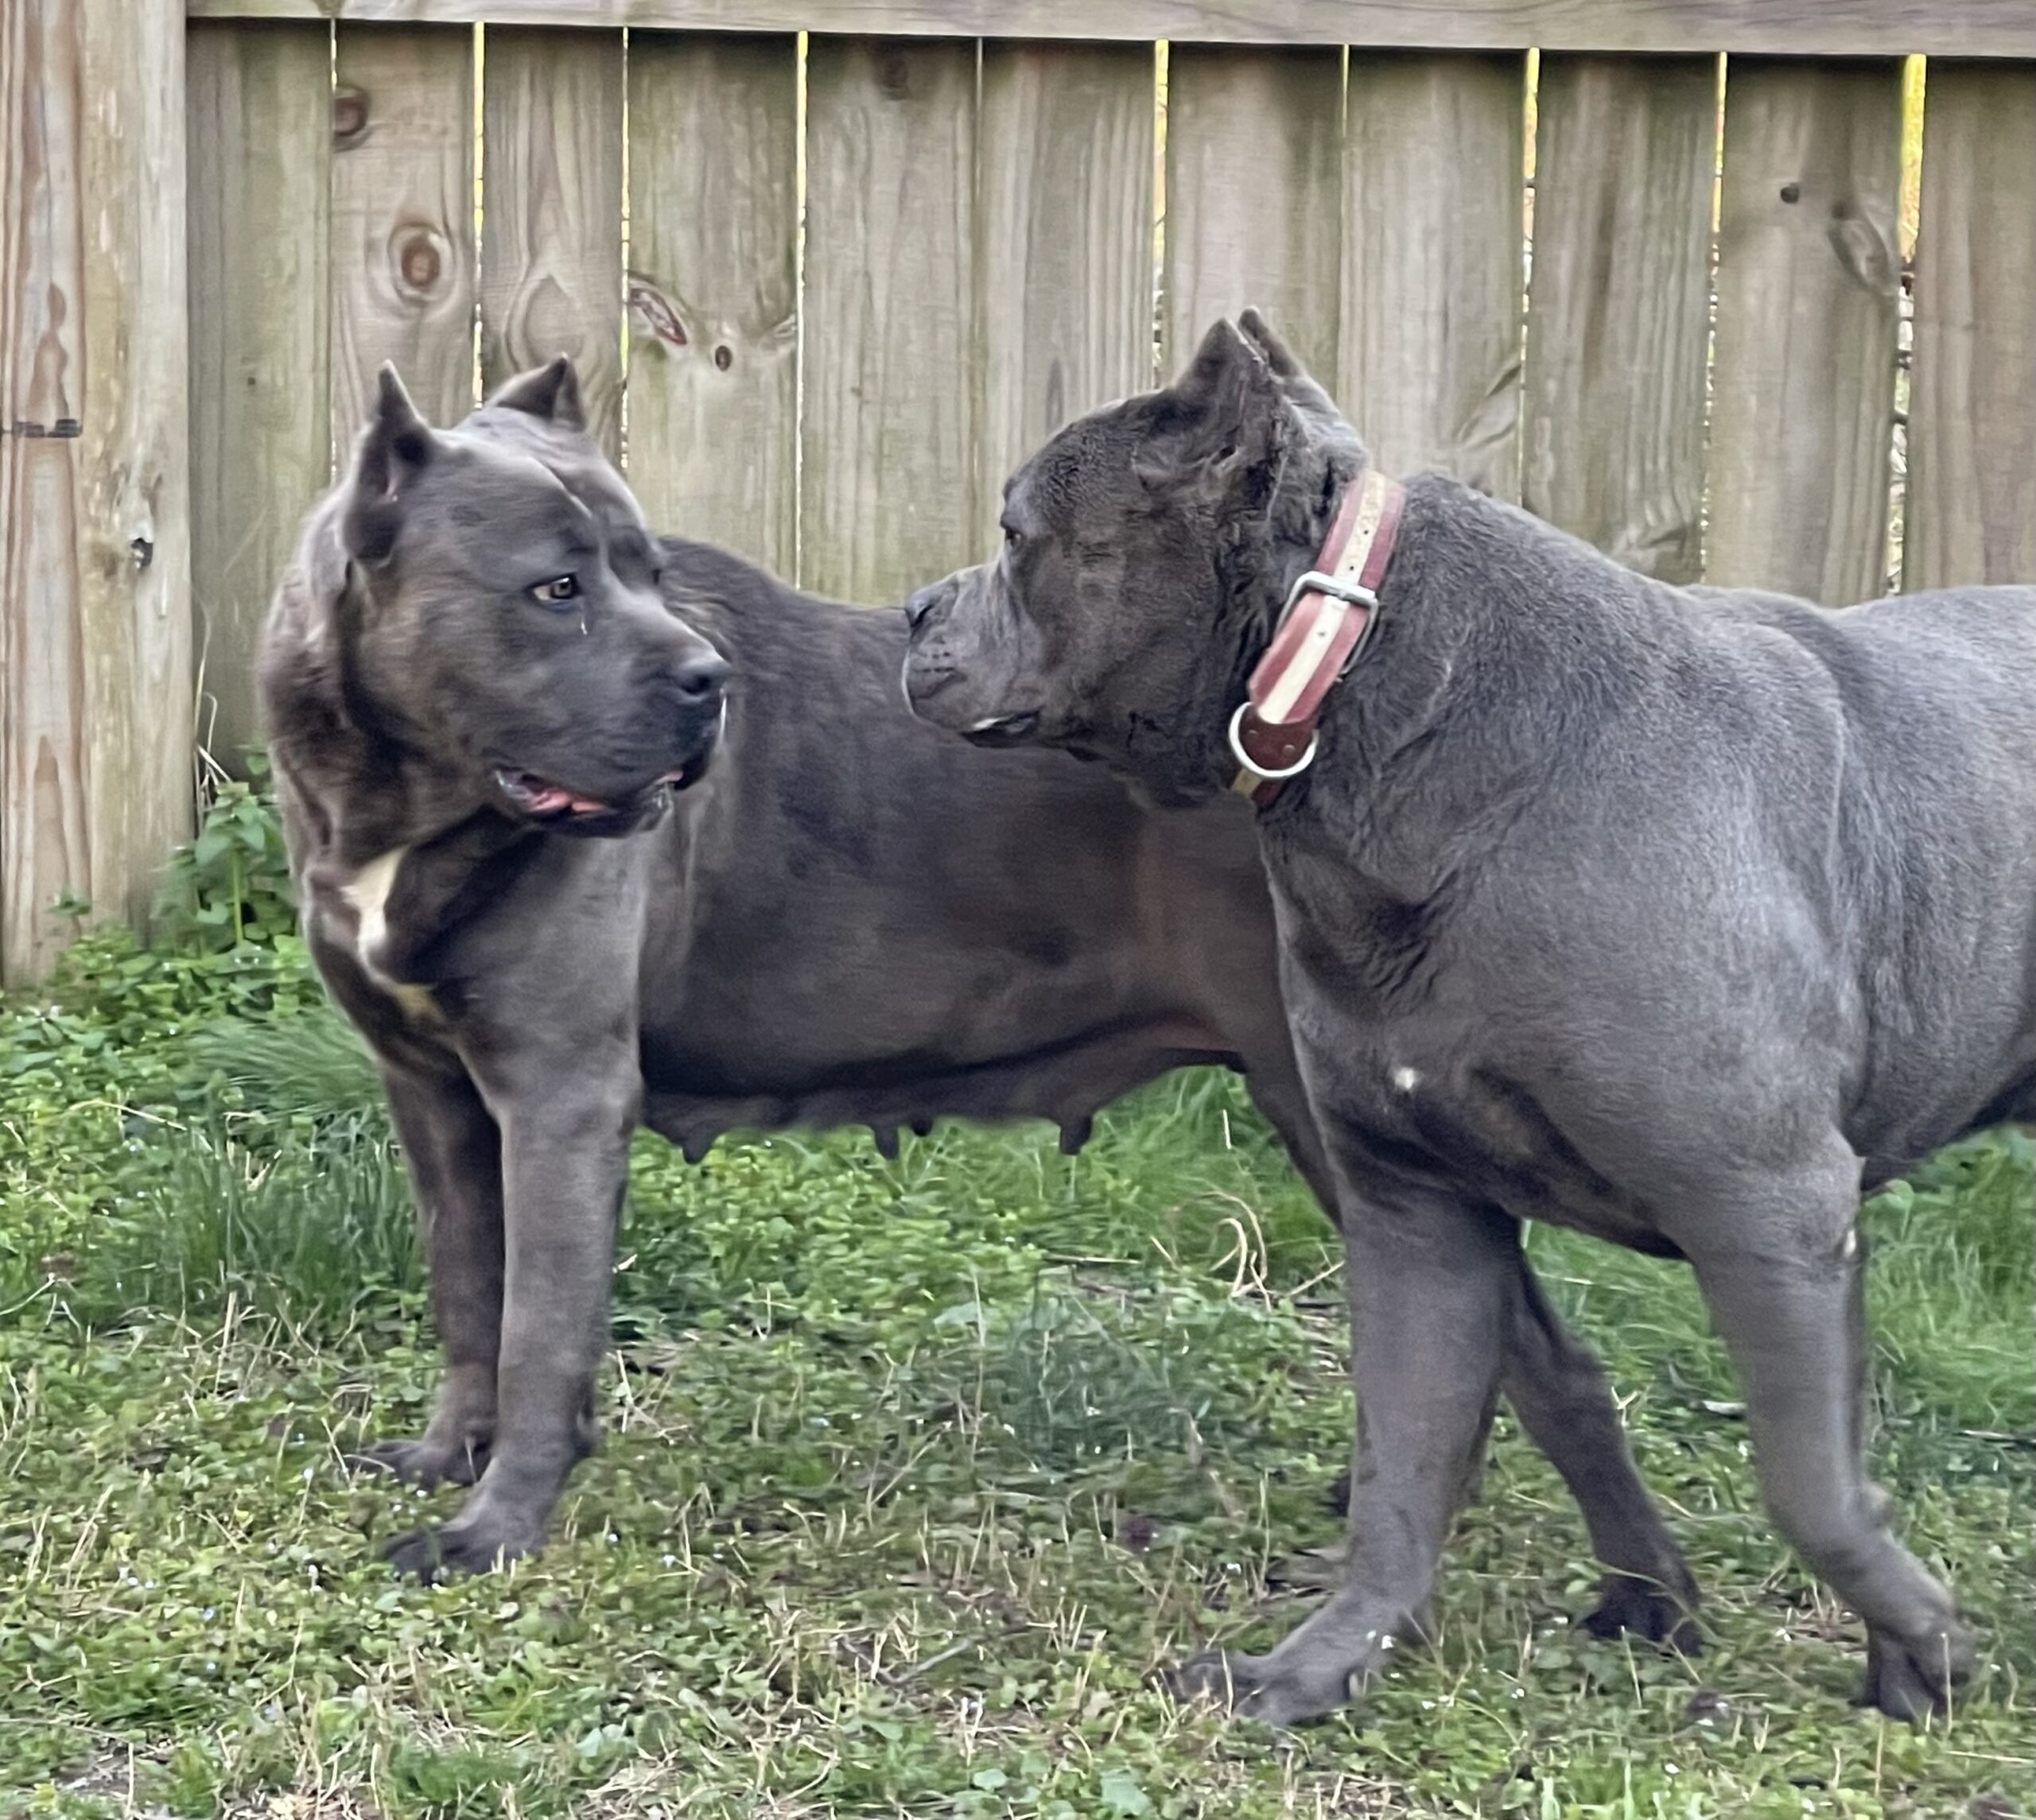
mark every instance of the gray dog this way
{"type": "Point", "coordinates": [1674, 915]}
{"type": "Point", "coordinates": [493, 704]}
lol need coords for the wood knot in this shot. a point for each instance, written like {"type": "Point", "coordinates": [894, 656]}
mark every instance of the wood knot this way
{"type": "Point", "coordinates": [420, 260]}
{"type": "Point", "coordinates": [723, 358]}
{"type": "Point", "coordinates": [1792, 192]}
{"type": "Point", "coordinates": [349, 115]}
{"type": "Point", "coordinates": [1862, 250]}
{"type": "Point", "coordinates": [655, 310]}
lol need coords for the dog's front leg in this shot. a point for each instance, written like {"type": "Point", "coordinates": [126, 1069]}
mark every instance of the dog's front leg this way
{"type": "Point", "coordinates": [565, 1121]}
{"type": "Point", "coordinates": [1431, 1289]}
{"type": "Point", "coordinates": [453, 1152]}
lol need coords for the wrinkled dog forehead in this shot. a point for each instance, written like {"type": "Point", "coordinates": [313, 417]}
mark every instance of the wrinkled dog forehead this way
{"type": "Point", "coordinates": [484, 508]}
{"type": "Point", "coordinates": [571, 458]}
{"type": "Point", "coordinates": [1085, 465]}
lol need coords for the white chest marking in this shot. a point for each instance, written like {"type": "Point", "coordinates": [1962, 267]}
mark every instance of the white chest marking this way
{"type": "Point", "coordinates": [368, 892]}
{"type": "Point", "coordinates": [1405, 1079]}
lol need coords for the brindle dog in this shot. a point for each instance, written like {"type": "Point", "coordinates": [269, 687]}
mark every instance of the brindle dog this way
{"type": "Point", "coordinates": [565, 873]}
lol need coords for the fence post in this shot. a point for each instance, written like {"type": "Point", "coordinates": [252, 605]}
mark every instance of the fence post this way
{"type": "Point", "coordinates": [96, 686]}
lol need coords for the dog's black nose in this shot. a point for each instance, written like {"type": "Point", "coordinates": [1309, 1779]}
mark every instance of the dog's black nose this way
{"type": "Point", "coordinates": [700, 676]}
{"type": "Point", "coordinates": [924, 602]}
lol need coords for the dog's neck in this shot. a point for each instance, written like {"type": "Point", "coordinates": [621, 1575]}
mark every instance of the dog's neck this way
{"type": "Point", "coordinates": [1298, 518]}
{"type": "Point", "coordinates": [1494, 629]}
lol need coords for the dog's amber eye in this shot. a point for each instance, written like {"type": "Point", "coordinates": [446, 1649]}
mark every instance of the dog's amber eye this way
{"type": "Point", "coordinates": [558, 590]}
{"type": "Point", "coordinates": [1012, 536]}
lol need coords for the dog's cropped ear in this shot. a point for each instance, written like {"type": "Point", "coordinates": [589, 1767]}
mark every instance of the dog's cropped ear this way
{"type": "Point", "coordinates": [1294, 379]}
{"type": "Point", "coordinates": [1222, 418]}
{"type": "Point", "coordinates": [395, 448]}
{"type": "Point", "coordinates": [551, 391]}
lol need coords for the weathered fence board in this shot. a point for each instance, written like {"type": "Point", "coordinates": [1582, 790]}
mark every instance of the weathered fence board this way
{"type": "Point", "coordinates": [890, 452]}
{"type": "Point", "coordinates": [260, 129]}
{"type": "Point", "coordinates": [403, 219]}
{"type": "Point", "coordinates": [1970, 510]}
{"type": "Point", "coordinates": [713, 289]}
{"type": "Point", "coordinates": [94, 559]}
{"type": "Point", "coordinates": [1618, 315]}
{"type": "Point", "coordinates": [1064, 240]}
{"type": "Point", "coordinates": [44, 815]}
{"type": "Point", "coordinates": [551, 193]}
{"type": "Point", "coordinates": [1887, 27]}
{"type": "Point", "coordinates": [1807, 297]}
{"type": "Point", "coordinates": [1254, 194]}
{"type": "Point", "coordinates": [1433, 263]}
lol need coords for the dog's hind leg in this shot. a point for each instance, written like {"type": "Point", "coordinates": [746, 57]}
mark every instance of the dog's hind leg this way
{"type": "Point", "coordinates": [1431, 1291]}
{"type": "Point", "coordinates": [453, 1152]}
{"type": "Point", "coordinates": [1791, 1313]}
{"type": "Point", "coordinates": [1558, 1389]}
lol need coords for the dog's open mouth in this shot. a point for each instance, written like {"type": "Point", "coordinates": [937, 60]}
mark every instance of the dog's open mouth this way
{"type": "Point", "coordinates": [1002, 729]}
{"type": "Point", "coordinates": [541, 800]}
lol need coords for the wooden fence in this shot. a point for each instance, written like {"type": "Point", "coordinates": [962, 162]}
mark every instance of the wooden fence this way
{"type": "Point", "coordinates": [825, 290]}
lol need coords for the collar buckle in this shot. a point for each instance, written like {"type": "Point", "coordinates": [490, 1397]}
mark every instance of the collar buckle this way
{"type": "Point", "coordinates": [1316, 581]}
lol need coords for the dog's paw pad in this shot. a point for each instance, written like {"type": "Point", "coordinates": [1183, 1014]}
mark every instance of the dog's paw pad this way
{"type": "Point", "coordinates": [1911, 1684]}
{"type": "Point", "coordinates": [417, 1554]}
{"type": "Point", "coordinates": [412, 1462]}
{"type": "Point", "coordinates": [432, 1553]}
{"type": "Point", "coordinates": [1209, 1676]}
{"type": "Point", "coordinates": [423, 1463]}
{"type": "Point", "coordinates": [1250, 1688]}
{"type": "Point", "coordinates": [1631, 1606]}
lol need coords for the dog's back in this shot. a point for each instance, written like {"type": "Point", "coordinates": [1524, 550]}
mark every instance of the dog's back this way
{"type": "Point", "coordinates": [1774, 768]}
{"type": "Point", "coordinates": [1959, 655]}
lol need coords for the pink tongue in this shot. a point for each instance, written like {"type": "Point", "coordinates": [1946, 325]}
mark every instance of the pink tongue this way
{"type": "Point", "coordinates": [543, 798]}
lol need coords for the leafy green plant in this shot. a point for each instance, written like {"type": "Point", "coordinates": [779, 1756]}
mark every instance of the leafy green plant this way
{"type": "Point", "coordinates": [231, 884]}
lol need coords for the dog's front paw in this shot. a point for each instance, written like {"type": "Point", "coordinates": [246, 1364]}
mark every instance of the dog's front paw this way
{"type": "Point", "coordinates": [426, 1463]}
{"type": "Point", "coordinates": [1627, 1602]}
{"type": "Point", "coordinates": [1258, 1687]}
{"type": "Point", "coordinates": [466, 1545]}
{"type": "Point", "coordinates": [1913, 1680]}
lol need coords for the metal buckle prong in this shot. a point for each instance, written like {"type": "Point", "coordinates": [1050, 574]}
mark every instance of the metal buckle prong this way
{"type": "Point", "coordinates": [1353, 593]}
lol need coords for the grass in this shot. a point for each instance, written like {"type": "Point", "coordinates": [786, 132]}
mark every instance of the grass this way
{"type": "Point", "coordinates": [915, 1471]}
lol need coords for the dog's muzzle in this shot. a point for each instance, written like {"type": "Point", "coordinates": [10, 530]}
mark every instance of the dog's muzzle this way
{"type": "Point", "coordinates": [556, 808]}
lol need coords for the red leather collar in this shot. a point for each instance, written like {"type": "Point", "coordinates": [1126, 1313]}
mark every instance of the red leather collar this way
{"type": "Point", "coordinates": [1328, 617]}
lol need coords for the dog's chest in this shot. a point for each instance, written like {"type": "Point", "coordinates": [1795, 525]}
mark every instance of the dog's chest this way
{"type": "Point", "coordinates": [356, 912]}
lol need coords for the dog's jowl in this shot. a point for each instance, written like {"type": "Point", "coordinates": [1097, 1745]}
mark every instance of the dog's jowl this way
{"type": "Point", "coordinates": [1678, 916]}
{"type": "Point", "coordinates": [565, 871]}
